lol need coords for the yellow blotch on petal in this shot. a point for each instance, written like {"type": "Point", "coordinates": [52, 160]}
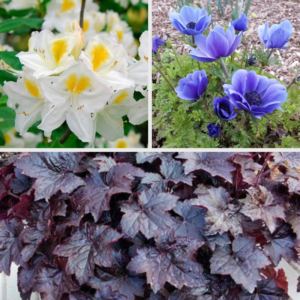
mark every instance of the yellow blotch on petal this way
{"type": "Point", "coordinates": [59, 48]}
{"type": "Point", "coordinates": [99, 54]}
{"type": "Point", "coordinates": [121, 98]}
{"type": "Point", "coordinates": [121, 144]}
{"type": "Point", "coordinates": [77, 85]}
{"type": "Point", "coordinates": [67, 5]}
{"type": "Point", "coordinates": [83, 83]}
{"type": "Point", "coordinates": [86, 25]}
{"type": "Point", "coordinates": [119, 34]}
{"type": "Point", "coordinates": [32, 88]}
{"type": "Point", "coordinates": [7, 138]}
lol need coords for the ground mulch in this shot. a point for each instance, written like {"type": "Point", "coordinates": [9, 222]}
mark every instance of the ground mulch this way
{"type": "Point", "coordinates": [274, 11]}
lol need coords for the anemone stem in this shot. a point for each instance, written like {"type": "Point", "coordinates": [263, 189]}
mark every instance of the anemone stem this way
{"type": "Point", "coordinates": [224, 67]}
{"type": "Point", "coordinates": [232, 57]}
{"type": "Point", "coordinates": [291, 84]}
{"type": "Point", "coordinates": [270, 53]}
{"type": "Point", "coordinates": [163, 75]}
{"type": "Point", "coordinates": [174, 51]}
{"type": "Point", "coordinates": [260, 70]}
{"type": "Point", "coordinates": [198, 63]}
{"type": "Point", "coordinates": [239, 126]}
{"type": "Point", "coordinates": [206, 106]}
{"type": "Point", "coordinates": [165, 70]}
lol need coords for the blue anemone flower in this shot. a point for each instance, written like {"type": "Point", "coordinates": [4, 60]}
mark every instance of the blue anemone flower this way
{"type": "Point", "coordinates": [213, 130]}
{"type": "Point", "coordinates": [190, 21]}
{"type": "Point", "coordinates": [193, 86]}
{"type": "Point", "coordinates": [255, 94]}
{"type": "Point", "coordinates": [223, 108]}
{"type": "Point", "coordinates": [218, 44]}
{"type": "Point", "coordinates": [277, 36]}
{"type": "Point", "coordinates": [241, 23]}
{"type": "Point", "coordinates": [156, 43]}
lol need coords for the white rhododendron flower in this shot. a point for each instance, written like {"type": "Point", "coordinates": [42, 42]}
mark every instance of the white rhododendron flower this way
{"type": "Point", "coordinates": [132, 140]}
{"type": "Point", "coordinates": [109, 119]}
{"type": "Point", "coordinates": [26, 97]}
{"type": "Point", "coordinates": [107, 58]}
{"type": "Point", "coordinates": [75, 96]}
{"type": "Point", "coordinates": [21, 4]}
{"type": "Point", "coordinates": [76, 30]}
{"type": "Point", "coordinates": [60, 12]}
{"type": "Point", "coordinates": [48, 53]}
{"type": "Point", "coordinates": [28, 140]}
{"type": "Point", "coordinates": [138, 114]}
{"type": "Point", "coordinates": [138, 70]}
{"type": "Point", "coordinates": [94, 23]}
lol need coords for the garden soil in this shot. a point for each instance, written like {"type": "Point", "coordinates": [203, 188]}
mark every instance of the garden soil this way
{"type": "Point", "coordinates": [274, 11]}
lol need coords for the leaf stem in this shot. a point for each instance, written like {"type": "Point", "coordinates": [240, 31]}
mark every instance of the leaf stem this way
{"type": "Point", "coordinates": [82, 13]}
{"type": "Point", "coordinates": [163, 75]}
{"type": "Point", "coordinates": [262, 169]}
{"type": "Point", "coordinates": [239, 126]}
{"type": "Point", "coordinates": [224, 67]}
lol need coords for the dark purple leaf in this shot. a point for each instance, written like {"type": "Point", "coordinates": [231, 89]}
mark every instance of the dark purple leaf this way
{"type": "Point", "coordinates": [150, 157]}
{"type": "Point", "coordinates": [108, 294]}
{"type": "Point", "coordinates": [220, 216]}
{"type": "Point", "coordinates": [266, 290]}
{"type": "Point", "coordinates": [281, 244]}
{"type": "Point", "coordinates": [148, 214]}
{"type": "Point", "coordinates": [10, 245]}
{"type": "Point", "coordinates": [216, 164]}
{"type": "Point", "coordinates": [53, 172]}
{"type": "Point", "coordinates": [20, 183]}
{"type": "Point", "coordinates": [243, 262]}
{"type": "Point", "coordinates": [260, 205]}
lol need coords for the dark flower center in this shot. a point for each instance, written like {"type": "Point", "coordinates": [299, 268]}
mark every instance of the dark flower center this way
{"type": "Point", "coordinates": [253, 98]}
{"type": "Point", "coordinates": [225, 108]}
{"type": "Point", "coordinates": [191, 25]}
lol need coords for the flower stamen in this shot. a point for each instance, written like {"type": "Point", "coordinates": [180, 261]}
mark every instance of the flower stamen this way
{"type": "Point", "coordinates": [253, 98]}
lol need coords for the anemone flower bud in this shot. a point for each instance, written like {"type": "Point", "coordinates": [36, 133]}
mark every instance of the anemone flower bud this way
{"type": "Point", "coordinates": [213, 130]}
{"type": "Point", "coordinates": [255, 94]}
{"type": "Point", "coordinates": [252, 61]}
{"type": "Point", "coordinates": [218, 44]}
{"type": "Point", "coordinates": [190, 21]}
{"type": "Point", "coordinates": [193, 86]}
{"type": "Point", "coordinates": [223, 108]}
{"type": "Point", "coordinates": [277, 36]}
{"type": "Point", "coordinates": [156, 43]}
{"type": "Point", "coordinates": [241, 23]}
{"type": "Point", "coordinates": [76, 30]}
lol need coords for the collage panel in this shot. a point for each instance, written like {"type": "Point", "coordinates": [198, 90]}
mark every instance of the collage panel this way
{"type": "Point", "coordinates": [74, 74]}
{"type": "Point", "coordinates": [225, 74]}
{"type": "Point", "coordinates": [149, 225]}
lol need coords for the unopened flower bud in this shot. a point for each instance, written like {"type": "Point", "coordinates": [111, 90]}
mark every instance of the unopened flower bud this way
{"type": "Point", "coordinates": [251, 61]}
{"type": "Point", "coordinates": [99, 20]}
{"type": "Point", "coordinates": [74, 28]}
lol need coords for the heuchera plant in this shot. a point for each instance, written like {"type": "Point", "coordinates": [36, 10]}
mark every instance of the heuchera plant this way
{"type": "Point", "coordinates": [256, 104]}
{"type": "Point", "coordinates": [154, 226]}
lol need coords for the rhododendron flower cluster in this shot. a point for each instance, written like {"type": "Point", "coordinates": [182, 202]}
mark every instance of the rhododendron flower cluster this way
{"type": "Point", "coordinates": [89, 84]}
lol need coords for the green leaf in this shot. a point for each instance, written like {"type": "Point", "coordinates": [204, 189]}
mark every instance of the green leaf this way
{"type": "Point", "coordinates": [2, 139]}
{"type": "Point", "coordinates": [3, 100]}
{"type": "Point", "coordinates": [7, 76]}
{"type": "Point", "coordinates": [12, 24]}
{"type": "Point", "coordinates": [57, 144]}
{"type": "Point", "coordinates": [11, 59]}
{"type": "Point", "coordinates": [72, 141]}
{"type": "Point", "coordinates": [247, 7]}
{"type": "Point", "coordinates": [7, 119]}
{"type": "Point", "coordinates": [22, 12]}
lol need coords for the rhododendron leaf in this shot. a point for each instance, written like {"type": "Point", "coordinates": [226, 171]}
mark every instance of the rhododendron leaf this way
{"type": "Point", "coordinates": [193, 221]}
{"type": "Point", "coordinates": [281, 244]}
{"type": "Point", "coordinates": [266, 290]}
{"type": "Point", "coordinates": [243, 262]}
{"type": "Point", "coordinates": [148, 214]}
{"type": "Point", "coordinates": [85, 249]}
{"type": "Point", "coordinates": [220, 215]}
{"type": "Point", "coordinates": [10, 245]}
{"type": "Point", "coordinates": [216, 164]}
{"type": "Point", "coordinates": [260, 205]}
{"type": "Point", "coordinates": [96, 194]}
{"type": "Point", "coordinates": [53, 172]}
